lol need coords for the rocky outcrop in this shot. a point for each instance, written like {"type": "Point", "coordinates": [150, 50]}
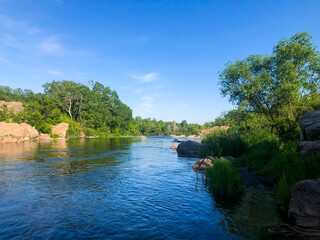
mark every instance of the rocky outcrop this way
{"type": "Point", "coordinates": [60, 130]}
{"type": "Point", "coordinates": [174, 147]}
{"type": "Point", "coordinates": [203, 163]}
{"type": "Point", "coordinates": [304, 208]}
{"type": "Point", "coordinates": [14, 132]}
{"type": "Point", "coordinates": [190, 149]}
{"type": "Point", "coordinates": [44, 137]}
{"type": "Point", "coordinates": [204, 132]}
{"type": "Point", "coordinates": [143, 137]}
{"type": "Point", "coordinates": [310, 133]}
{"type": "Point", "coordinates": [14, 107]}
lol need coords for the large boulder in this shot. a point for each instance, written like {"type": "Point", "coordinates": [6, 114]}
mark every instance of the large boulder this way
{"type": "Point", "coordinates": [203, 163]}
{"type": "Point", "coordinates": [304, 208]}
{"type": "Point", "coordinates": [190, 149]}
{"type": "Point", "coordinates": [310, 133]}
{"type": "Point", "coordinates": [14, 132]}
{"type": "Point", "coordinates": [60, 129]}
{"type": "Point", "coordinates": [310, 126]}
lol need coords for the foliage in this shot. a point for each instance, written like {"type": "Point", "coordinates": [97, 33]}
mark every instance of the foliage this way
{"type": "Point", "coordinates": [223, 178]}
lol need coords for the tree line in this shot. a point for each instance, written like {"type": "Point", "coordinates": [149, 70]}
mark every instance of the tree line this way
{"type": "Point", "coordinates": [93, 110]}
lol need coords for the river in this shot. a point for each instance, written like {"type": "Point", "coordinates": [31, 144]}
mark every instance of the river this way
{"type": "Point", "coordinates": [117, 189]}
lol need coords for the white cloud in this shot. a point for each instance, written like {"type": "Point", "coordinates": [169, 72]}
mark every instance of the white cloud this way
{"type": "Point", "coordinates": [55, 73]}
{"type": "Point", "coordinates": [149, 77]}
{"type": "Point", "coordinates": [147, 104]}
{"type": "Point", "coordinates": [51, 45]}
{"type": "Point", "coordinates": [2, 59]}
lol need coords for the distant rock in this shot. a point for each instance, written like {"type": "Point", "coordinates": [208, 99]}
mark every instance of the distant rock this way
{"type": "Point", "coordinates": [190, 149]}
{"type": "Point", "coordinates": [14, 107]}
{"type": "Point", "coordinates": [60, 130]}
{"type": "Point", "coordinates": [174, 147]}
{"type": "Point", "coordinates": [82, 135]}
{"type": "Point", "coordinates": [203, 163]}
{"type": "Point", "coordinates": [193, 136]}
{"type": "Point", "coordinates": [176, 140]}
{"type": "Point", "coordinates": [45, 137]}
{"type": "Point", "coordinates": [14, 132]}
{"type": "Point", "coordinates": [304, 207]}
{"type": "Point", "coordinates": [143, 137]}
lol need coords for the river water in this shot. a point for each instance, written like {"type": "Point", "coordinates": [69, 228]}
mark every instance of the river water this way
{"type": "Point", "coordinates": [117, 189]}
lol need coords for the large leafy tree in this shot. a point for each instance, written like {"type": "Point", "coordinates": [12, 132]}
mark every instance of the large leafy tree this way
{"type": "Point", "coordinates": [277, 85]}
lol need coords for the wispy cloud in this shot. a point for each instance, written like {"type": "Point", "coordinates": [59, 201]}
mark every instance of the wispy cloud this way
{"type": "Point", "coordinates": [149, 77]}
{"type": "Point", "coordinates": [55, 73]}
{"type": "Point", "coordinates": [51, 45]}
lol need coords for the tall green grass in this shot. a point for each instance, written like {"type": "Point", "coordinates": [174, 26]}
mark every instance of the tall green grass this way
{"type": "Point", "coordinates": [223, 179]}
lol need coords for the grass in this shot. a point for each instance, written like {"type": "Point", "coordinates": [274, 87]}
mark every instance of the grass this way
{"type": "Point", "coordinates": [223, 178]}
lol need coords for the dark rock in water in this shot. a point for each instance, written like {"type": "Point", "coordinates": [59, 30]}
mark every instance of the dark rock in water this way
{"type": "Point", "coordinates": [176, 140]}
{"type": "Point", "coordinates": [310, 126]}
{"type": "Point", "coordinates": [190, 149]}
{"type": "Point", "coordinates": [304, 208]}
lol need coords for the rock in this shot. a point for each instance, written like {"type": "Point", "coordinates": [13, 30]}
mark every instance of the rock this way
{"type": "Point", "coordinates": [82, 135]}
{"type": "Point", "coordinates": [176, 140]}
{"type": "Point", "coordinates": [60, 129]}
{"type": "Point", "coordinates": [30, 132]}
{"type": "Point", "coordinates": [143, 137]}
{"type": "Point", "coordinates": [190, 149]}
{"type": "Point", "coordinates": [174, 147]}
{"type": "Point", "coordinates": [45, 137]}
{"type": "Point", "coordinates": [14, 107]}
{"type": "Point", "coordinates": [203, 163]}
{"type": "Point", "coordinates": [192, 136]}
{"type": "Point", "coordinates": [310, 126]}
{"type": "Point", "coordinates": [304, 207]}
{"type": "Point", "coordinates": [14, 132]}
{"type": "Point", "coordinates": [309, 147]}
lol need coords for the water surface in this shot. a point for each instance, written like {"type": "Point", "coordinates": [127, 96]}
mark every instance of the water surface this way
{"type": "Point", "coordinates": [117, 189]}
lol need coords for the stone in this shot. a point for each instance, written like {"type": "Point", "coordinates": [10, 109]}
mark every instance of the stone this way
{"type": "Point", "coordinates": [82, 135]}
{"type": "Point", "coordinates": [174, 147]}
{"type": "Point", "coordinates": [309, 147]}
{"type": "Point", "coordinates": [304, 207]}
{"type": "Point", "coordinates": [203, 163]}
{"type": "Point", "coordinates": [176, 140]}
{"type": "Point", "coordinates": [44, 137]}
{"type": "Point", "coordinates": [310, 126]}
{"type": "Point", "coordinates": [14, 132]}
{"type": "Point", "coordinates": [143, 137]}
{"type": "Point", "coordinates": [190, 149]}
{"type": "Point", "coordinates": [60, 130]}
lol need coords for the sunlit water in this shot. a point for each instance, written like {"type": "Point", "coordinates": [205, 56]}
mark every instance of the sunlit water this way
{"type": "Point", "coordinates": [117, 189]}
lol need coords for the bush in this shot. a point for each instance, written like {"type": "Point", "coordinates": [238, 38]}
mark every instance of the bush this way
{"type": "Point", "coordinates": [223, 143]}
{"type": "Point", "coordinates": [224, 179]}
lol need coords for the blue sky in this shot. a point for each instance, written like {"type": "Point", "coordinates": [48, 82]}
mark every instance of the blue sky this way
{"type": "Point", "coordinates": [162, 57]}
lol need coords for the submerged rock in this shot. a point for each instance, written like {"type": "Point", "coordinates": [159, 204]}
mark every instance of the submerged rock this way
{"type": "Point", "coordinates": [60, 129]}
{"type": "Point", "coordinates": [304, 208]}
{"type": "Point", "coordinates": [203, 163]}
{"type": "Point", "coordinates": [174, 147]}
{"type": "Point", "coordinates": [190, 149]}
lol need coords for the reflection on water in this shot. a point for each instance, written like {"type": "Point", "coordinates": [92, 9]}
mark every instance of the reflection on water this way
{"type": "Point", "coordinates": [115, 188]}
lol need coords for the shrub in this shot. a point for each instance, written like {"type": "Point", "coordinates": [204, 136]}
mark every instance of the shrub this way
{"type": "Point", "coordinates": [223, 143]}
{"type": "Point", "coordinates": [223, 178]}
